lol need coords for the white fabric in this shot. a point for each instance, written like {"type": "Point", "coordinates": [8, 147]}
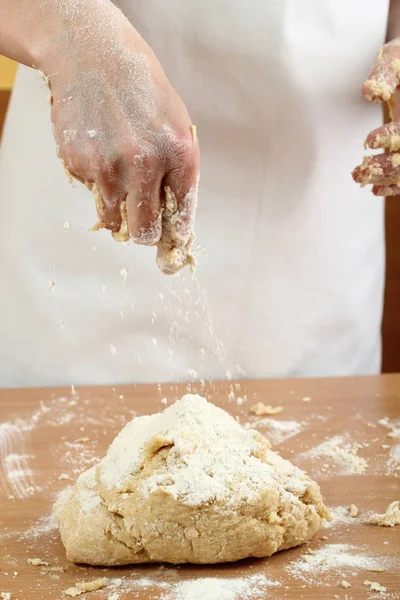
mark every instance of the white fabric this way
{"type": "Point", "coordinates": [292, 277]}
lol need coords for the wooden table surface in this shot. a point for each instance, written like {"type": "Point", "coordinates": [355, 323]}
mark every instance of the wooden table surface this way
{"type": "Point", "coordinates": [49, 434]}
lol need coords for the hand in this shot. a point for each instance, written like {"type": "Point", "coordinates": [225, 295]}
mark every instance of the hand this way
{"type": "Point", "coordinates": [122, 130]}
{"type": "Point", "coordinates": [383, 170]}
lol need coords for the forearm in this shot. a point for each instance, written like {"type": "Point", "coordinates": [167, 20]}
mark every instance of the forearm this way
{"type": "Point", "coordinates": [26, 29]}
{"type": "Point", "coordinates": [393, 30]}
{"type": "Point", "coordinates": [37, 32]}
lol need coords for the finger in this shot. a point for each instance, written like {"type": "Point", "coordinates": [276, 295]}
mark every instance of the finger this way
{"type": "Point", "coordinates": [180, 203]}
{"type": "Point", "coordinates": [386, 137]}
{"type": "Point", "coordinates": [386, 190]}
{"type": "Point", "coordinates": [102, 176]}
{"type": "Point", "coordinates": [383, 78]}
{"type": "Point", "coordinates": [383, 169]}
{"type": "Point", "coordinates": [181, 190]}
{"type": "Point", "coordinates": [108, 206]}
{"type": "Point", "coordinates": [145, 212]}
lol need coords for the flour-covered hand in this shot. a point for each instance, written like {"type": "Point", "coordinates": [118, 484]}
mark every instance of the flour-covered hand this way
{"type": "Point", "coordinates": [121, 128]}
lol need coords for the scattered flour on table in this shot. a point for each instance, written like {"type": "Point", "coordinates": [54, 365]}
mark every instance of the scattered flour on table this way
{"type": "Point", "coordinates": [393, 426]}
{"type": "Point", "coordinates": [333, 557]}
{"type": "Point", "coordinates": [393, 462]}
{"type": "Point", "coordinates": [44, 526]}
{"type": "Point", "coordinates": [19, 474]}
{"type": "Point", "coordinates": [274, 430]}
{"type": "Point", "coordinates": [17, 463]}
{"type": "Point", "coordinates": [340, 515]}
{"type": "Point", "coordinates": [209, 588]}
{"type": "Point", "coordinates": [343, 451]}
{"type": "Point", "coordinates": [16, 473]}
{"type": "Point", "coordinates": [251, 587]}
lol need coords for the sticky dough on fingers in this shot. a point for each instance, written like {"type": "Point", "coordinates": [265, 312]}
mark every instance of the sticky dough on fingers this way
{"type": "Point", "coordinates": [174, 248]}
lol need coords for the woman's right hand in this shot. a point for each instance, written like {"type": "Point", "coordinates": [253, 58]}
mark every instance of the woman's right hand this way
{"type": "Point", "coordinates": [121, 129]}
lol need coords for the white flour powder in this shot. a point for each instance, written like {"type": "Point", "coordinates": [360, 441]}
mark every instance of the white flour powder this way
{"type": "Point", "coordinates": [393, 426]}
{"type": "Point", "coordinates": [342, 451]}
{"type": "Point", "coordinates": [16, 475]}
{"type": "Point", "coordinates": [17, 463]}
{"type": "Point", "coordinates": [393, 462]}
{"type": "Point", "coordinates": [251, 587]}
{"type": "Point", "coordinates": [334, 557]}
{"type": "Point", "coordinates": [208, 588]}
{"type": "Point", "coordinates": [211, 465]}
{"type": "Point", "coordinates": [340, 515]}
{"type": "Point", "coordinates": [276, 431]}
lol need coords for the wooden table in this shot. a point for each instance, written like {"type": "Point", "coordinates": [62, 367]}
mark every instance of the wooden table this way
{"type": "Point", "coordinates": [47, 435]}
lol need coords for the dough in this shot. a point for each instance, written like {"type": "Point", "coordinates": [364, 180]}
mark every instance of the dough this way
{"type": "Point", "coordinates": [175, 246]}
{"type": "Point", "coordinates": [389, 519]}
{"type": "Point", "coordinates": [187, 485]}
{"type": "Point", "coordinates": [174, 249]}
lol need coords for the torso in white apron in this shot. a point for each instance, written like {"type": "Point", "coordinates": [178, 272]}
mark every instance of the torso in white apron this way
{"type": "Point", "coordinates": [292, 277]}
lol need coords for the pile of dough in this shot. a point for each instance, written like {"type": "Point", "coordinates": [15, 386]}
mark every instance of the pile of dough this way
{"type": "Point", "coordinates": [187, 485]}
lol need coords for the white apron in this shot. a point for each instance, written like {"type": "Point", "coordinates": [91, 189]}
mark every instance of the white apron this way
{"type": "Point", "coordinates": [291, 279]}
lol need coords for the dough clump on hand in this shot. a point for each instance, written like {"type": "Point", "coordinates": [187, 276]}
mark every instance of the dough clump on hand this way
{"type": "Point", "coordinates": [174, 250]}
{"type": "Point", "coordinates": [188, 485]}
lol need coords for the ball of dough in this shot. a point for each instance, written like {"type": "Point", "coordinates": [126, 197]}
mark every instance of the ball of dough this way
{"type": "Point", "coordinates": [188, 485]}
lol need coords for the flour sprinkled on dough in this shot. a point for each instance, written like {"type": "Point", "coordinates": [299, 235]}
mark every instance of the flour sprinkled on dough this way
{"type": "Point", "coordinates": [187, 485]}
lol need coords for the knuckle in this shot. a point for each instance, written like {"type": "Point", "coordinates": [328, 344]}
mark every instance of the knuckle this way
{"type": "Point", "coordinates": [140, 164]}
{"type": "Point", "coordinates": [184, 150]}
{"type": "Point", "coordinates": [179, 150]}
{"type": "Point", "coordinates": [146, 166]}
{"type": "Point", "coordinates": [99, 163]}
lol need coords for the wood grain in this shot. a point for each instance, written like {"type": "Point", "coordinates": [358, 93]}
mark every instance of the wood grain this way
{"type": "Point", "coordinates": [44, 425]}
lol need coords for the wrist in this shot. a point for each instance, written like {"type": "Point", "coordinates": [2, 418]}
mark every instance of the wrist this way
{"type": "Point", "coordinates": [76, 34]}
